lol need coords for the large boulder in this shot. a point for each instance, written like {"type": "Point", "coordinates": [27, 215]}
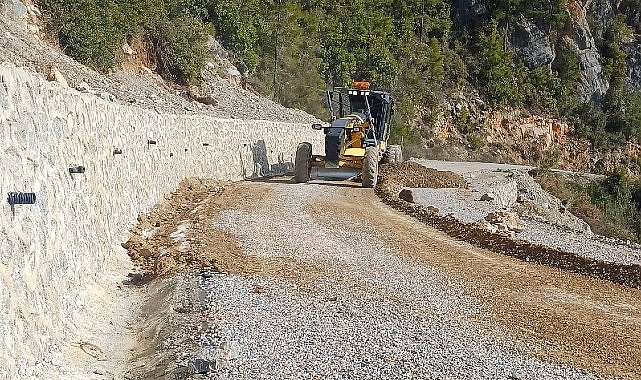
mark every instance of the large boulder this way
{"type": "Point", "coordinates": [469, 12]}
{"type": "Point", "coordinates": [601, 14]}
{"type": "Point", "coordinates": [532, 44]}
{"type": "Point", "coordinates": [54, 75]}
{"type": "Point", "coordinates": [14, 9]}
{"type": "Point", "coordinates": [592, 81]}
{"type": "Point", "coordinates": [406, 195]}
{"type": "Point", "coordinates": [506, 221]}
{"type": "Point", "coordinates": [503, 193]}
{"type": "Point", "coordinates": [633, 49]}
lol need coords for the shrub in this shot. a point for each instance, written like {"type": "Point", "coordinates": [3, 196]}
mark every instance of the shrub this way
{"type": "Point", "coordinates": [476, 142]}
{"type": "Point", "coordinates": [89, 31]}
{"type": "Point", "coordinates": [541, 90]}
{"type": "Point", "coordinates": [496, 74]}
{"type": "Point", "coordinates": [609, 206]}
{"type": "Point", "coordinates": [180, 47]}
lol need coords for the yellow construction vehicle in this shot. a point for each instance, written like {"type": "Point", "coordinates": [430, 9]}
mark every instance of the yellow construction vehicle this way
{"type": "Point", "coordinates": [355, 140]}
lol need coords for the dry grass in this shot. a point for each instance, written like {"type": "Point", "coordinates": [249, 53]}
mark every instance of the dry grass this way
{"type": "Point", "coordinates": [572, 192]}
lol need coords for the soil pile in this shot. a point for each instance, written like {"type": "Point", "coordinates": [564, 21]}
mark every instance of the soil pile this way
{"type": "Point", "coordinates": [395, 176]}
{"type": "Point", "coordinates": [175, 235]}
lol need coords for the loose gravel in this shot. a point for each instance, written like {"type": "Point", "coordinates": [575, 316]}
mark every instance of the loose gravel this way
{"type": "Point", "coordinates": [22, 44]}
{"type": "Point", "coordinates": [587, 245]}
{"type": "Point", "coordinates": [547, 223]}
{"type": "Point", "coordinates": [370, 314]}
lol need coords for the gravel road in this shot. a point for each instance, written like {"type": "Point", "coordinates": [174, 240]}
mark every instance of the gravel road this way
{"type": "Point", "coordinates": [341, 286]}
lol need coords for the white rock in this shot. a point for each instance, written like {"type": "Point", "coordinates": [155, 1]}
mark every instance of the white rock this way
{"type": "Point", "coordinates": [56, 76]}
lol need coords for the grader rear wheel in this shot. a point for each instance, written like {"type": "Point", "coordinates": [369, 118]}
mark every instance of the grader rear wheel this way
{"type": "Point", "coordinates": [370, 167]}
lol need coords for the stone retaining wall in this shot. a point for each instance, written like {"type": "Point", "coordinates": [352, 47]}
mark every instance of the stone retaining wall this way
{"type": "Point", "coordinates": [52, 251]}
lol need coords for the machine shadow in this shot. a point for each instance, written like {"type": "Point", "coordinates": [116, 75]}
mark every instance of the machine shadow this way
{"type": "Point", "coordinates": [286, 180]}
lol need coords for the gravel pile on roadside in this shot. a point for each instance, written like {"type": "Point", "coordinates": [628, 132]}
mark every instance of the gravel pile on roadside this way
{"type": "Point", "coordinates": [629, 275]}
{"type": "Point", "coordinates": [453, 202]}
{"type": "Point", "coordinates": [589, 245]}
{"type": "Point", "coordinates": [414, 175]}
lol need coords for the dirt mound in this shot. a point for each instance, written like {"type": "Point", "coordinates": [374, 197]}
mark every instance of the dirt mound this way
{"type": "Point", "coordinates": [408, 174]}
{"type": "Point", "coordinates": [395, 176]}
{"type": "Point", "coordinates": [175, 235]}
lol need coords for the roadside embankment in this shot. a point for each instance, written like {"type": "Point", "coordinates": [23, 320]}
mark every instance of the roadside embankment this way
{"type": "Point", "coordinates": [94, 166]}
{"type": "Point", "coordinates": [395, 177]}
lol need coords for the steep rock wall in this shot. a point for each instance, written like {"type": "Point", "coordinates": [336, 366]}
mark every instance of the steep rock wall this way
{"type": "Point", "coordinates": [54, 251]}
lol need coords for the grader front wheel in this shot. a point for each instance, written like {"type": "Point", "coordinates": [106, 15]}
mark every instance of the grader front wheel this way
{"type": "Point", "coordinates": [301, 165]}
{"type": "Point", "coordinates": [370, 167]}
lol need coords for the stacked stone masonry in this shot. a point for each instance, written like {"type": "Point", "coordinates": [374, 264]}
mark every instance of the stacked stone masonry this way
{"type": "Point", "coordinates": [51, 251]}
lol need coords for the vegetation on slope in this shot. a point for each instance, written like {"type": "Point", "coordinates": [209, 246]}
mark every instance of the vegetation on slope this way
{"type": "Point", "coordinates": [292, 50]}
{"type": "Point", "coordinates": [610, 205]}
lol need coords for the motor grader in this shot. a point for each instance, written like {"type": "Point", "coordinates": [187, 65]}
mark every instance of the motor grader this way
{"type": "Point", "coordinates": [356, 140]}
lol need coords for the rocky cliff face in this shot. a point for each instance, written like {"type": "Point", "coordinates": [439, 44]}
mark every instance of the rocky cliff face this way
{"type": "Point", "coordinates": [592, 82]}
{"type": "Point", "coordinates": [588, 21]}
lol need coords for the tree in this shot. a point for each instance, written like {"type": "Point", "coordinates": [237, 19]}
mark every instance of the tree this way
{"type": "Point", "coordinates": [496, 72]}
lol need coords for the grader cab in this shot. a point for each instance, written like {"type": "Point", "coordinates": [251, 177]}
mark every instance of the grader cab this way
{"type": "Point", "coordinates": [356, 140]}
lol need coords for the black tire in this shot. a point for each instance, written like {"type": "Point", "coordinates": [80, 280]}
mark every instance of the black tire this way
{"type": "Point", "coordinates": [301, 165]}
{"type": "Point", "coordinates": [370, 167]}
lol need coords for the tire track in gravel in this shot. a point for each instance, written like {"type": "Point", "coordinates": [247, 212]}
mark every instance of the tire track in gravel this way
{"type": "Point", "coordinates": [578, 320]}
{"type": "Point", "coordinates": [371, 259]}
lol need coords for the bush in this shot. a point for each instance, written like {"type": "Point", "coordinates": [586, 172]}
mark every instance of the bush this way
{"type": "Point", "coordinates": [89, 31]}
{"type": "Point", "coordinates": [618, 196]}
{"type": "Point", "coordinates": [496, 75]}
{"type": "Point", "coordinates": [180, 48]}
{"type": "Point", "coordinates": [610, 206]}
{"type": "Point", "coordinates": [541, 90]}
{"type": "Point", "coordinates": [590, 123]}
{"type": "Point", "coordinates": [92, 30]}
{"type": "Point", "coordinates": [476, 142]}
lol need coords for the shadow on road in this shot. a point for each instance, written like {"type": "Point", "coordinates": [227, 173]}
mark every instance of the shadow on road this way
{"type": "Point", "coordinates": [325, 182]}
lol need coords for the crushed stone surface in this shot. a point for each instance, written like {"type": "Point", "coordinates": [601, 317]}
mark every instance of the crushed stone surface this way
{"type": "Point", "coordinates": [546, 221]}
{"type": "Point", "coordinates": [322, 280]}
{"type": "Point", "coordinates": [372, 314]}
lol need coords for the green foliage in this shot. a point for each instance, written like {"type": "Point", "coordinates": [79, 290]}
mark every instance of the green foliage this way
{"type": "Point", "coordinates": [566, 66]}
{"type": "Point", "coordinates": [90, 30]}
{"type": "Point", "coordinates": [180, 47]}
{"type": "Point", "coordinates": [464, 122]}
{"type": "Point", "coordinates": [618, 196]}
{"type": "Point", "coordinates": [610, 206]}
{"type": "Point", "coordinates": [456, 72]}
{"type": "Point", "coordinates": [589, 122]}
{"type": "Point", "coordinates": [550, 159]}
{"type": "Point", "coordinates": [615, 65]}
{"type": "Point", "coordinates": [435, 61]}
{"type": "Point", "coordinates": [402, 131]}
{"type": "Point", "coordinates": [496, 71]}
{"type": "Point", "coordinates": [476, 142]}
{"type": "Point", "coordinates": [293, 50]}
{"type": "Point", "coordinates": [540, 89]}
{"type": "Point", "coordinates": [242, 26]}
